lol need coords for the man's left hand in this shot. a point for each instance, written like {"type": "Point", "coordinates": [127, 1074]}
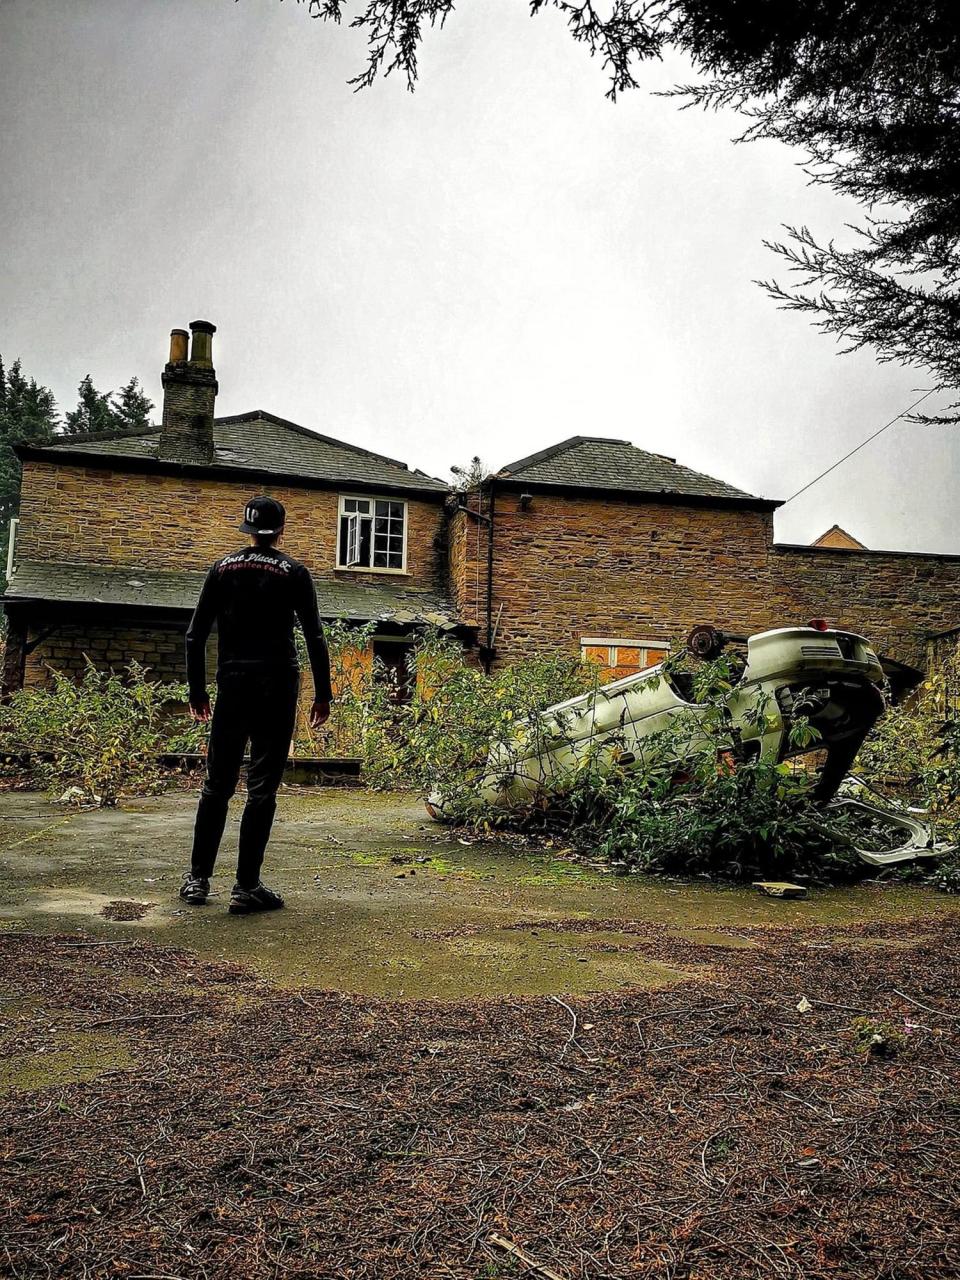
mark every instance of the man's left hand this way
{"type": "Point", "coordinates": [200, 710]}
{"type": "Point", "coordinates": [319, 714]}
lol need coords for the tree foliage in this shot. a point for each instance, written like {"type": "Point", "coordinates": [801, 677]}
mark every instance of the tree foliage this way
{"type": "Point", "coordinates": [28, 415]}
{"type": "Point", "coordinates": [868, 90]}
{"type": "Point", "coordinates": [468, 477]}
{"type": "Point", "coordinates": [131, 408]}
{"type": "Point", "coordinates": [103, 413]}
{"type": "Point", "coordinates": [871, 93]}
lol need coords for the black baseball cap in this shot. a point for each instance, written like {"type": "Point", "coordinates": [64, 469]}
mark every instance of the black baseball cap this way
{"type": "Point", "coordinates": [263, 515]}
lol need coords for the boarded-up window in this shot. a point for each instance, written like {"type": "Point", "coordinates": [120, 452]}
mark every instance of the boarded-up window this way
{"type": "Point", "coordinates": [618, 658]}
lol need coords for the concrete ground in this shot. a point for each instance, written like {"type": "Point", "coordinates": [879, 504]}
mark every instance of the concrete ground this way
{"type": "Point", "coordinates": [381, 901]}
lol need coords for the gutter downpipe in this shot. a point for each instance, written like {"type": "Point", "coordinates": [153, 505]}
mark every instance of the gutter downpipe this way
{"type": "Point", "coordinates": [491, 509]}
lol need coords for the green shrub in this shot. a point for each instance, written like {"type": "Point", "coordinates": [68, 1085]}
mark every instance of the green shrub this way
{"type": "Point", "coordinates": [913, 755]}
{"type": "Point", "coordinates": [102, 734]}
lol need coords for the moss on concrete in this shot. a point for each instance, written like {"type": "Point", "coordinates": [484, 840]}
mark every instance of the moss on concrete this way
{"type": "Point", "coordinates": [70, 1058]}
{"type": "Point", "coordinates": [382, 901]}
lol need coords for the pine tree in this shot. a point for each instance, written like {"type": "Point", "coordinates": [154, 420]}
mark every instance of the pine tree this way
{"type": "Point", "coordinates": [94, 412]}
{"type": "Point", "coordinates": [131, 408]}
{"type": "Point", "coordinates": [28, 415]}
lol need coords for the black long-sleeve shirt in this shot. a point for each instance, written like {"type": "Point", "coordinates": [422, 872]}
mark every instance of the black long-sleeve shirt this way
{"type": "Point", "coordinates": [253, 596]}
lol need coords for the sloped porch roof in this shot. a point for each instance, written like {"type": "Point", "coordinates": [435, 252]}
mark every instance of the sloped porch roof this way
{"type": "Point", "coordinates": [58, 583]}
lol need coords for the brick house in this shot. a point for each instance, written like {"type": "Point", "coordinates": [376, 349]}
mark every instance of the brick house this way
{"type": "Point", "coordinates": [591, 546]}
{"type": "Point", "coordinates": [597, 545]}
{"type": "Point", "coordinates": [115, 534]}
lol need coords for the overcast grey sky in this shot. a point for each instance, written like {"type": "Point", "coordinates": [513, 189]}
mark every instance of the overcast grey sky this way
{"type": "Point", "coordinates": [494, 263]}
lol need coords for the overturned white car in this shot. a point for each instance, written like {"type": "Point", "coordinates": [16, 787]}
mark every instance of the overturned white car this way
{"type": "Point", "coordinates": [832, 677]}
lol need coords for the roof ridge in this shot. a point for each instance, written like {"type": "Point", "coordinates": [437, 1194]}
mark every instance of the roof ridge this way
{"type": "Point", "coordinates": [256, 414]}
{"type": "Point", "coordinates": [656, 472]}
{"type": "Point", "coordinates": [83, 437]}
{"type": "Point", "coordinates": [552, 451]}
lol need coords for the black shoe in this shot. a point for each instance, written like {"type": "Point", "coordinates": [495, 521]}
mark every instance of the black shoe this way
{"type": "Point", "coordinates": [195, 890]}
{"type": "Point", "coordinates": [245, 901]}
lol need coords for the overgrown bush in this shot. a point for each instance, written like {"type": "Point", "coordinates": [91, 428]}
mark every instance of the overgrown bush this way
{"type": "Point", "coordinates": [913, 755]}
{"type": "Point", "coordinates": [102, 735]}
{"type": "Point", "coordinates": [695, 803]}
{"type": "Point", "coordinates": [444, 724]}
{"type": "Point", "coordinates": [683, 808]}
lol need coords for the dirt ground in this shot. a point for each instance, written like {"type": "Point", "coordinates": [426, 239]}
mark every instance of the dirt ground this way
{"type": "Point", "coordinates": [445, 1053]}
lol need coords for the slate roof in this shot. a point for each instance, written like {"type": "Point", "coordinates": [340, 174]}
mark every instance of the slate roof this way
{"type": "Point", "coordinates": [61, 582]}
{"type": "Point", "coordinates": [262, 442]}
{"type": "Point", "coordinates": [595, 462]}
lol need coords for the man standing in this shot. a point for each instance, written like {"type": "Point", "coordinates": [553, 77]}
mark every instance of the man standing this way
{"type": "Point", "coordinates": [253, 596]}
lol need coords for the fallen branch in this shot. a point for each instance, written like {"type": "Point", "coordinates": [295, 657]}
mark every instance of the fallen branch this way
{"type": "Point", "coordinates": [925, 1007]}
{"type": "Point", "coordinates": [572, 1038]}
{"type": "Point", "coordinates": [522, 1256]}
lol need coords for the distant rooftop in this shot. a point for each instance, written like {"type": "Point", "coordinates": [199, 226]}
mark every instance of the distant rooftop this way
{"type": "Point", "coordinates": [596, 462]}
{"type": "Point", "coordinates": [259, 442]}
{"type": "Point", "coordinates": [839, 538]}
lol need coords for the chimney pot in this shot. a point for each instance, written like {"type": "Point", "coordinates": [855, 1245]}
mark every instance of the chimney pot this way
{"type": "Point", "coordinates": [201, 348]}
{"type": "Point", "coordinates": [178, 345]}
{"type": "Point", "coordinates": [189, 393]}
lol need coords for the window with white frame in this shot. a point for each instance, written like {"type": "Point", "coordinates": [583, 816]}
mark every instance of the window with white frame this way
{"type": "Point", "coordinates": [373, 534]}
{"type": "Point", "coordinates": [622, 657]}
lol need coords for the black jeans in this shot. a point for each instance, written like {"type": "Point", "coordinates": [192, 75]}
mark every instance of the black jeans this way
{"type": "Point", "coordinates": [261, 709]}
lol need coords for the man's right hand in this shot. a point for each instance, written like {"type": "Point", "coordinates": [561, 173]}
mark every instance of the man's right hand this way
{"type": "Point", "coordinates": [200, 710]}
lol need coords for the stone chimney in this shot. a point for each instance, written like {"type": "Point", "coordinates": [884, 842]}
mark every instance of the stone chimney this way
{"type": "Point", "coordinates": [189, 392]}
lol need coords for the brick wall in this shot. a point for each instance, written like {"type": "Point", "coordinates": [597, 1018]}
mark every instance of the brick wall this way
{"type": "Point", "coordinates": [108, 647]}
{"type": "Point", "coordinates": [567, 567]}
{"type": "Point", "coordinates": [571, 567]}
{"type": "Point", "coordinates": [89, 515]}
{"type": "Point", "coordinates": [895, 599]}
{"type": "Point", "coordinates": [467, 564]}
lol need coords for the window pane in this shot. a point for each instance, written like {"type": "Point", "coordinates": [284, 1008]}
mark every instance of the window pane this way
{"type": "Point", "coordinates": [380, 560]}
{"type": "Point", "coordinates": [599, 653]}
{"type": "Point", "coordinates": [353, 539]}
{"type": "Point", "coordinates": [629, 656]}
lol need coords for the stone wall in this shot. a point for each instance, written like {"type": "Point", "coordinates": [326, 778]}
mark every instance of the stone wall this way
{"type": "Point", "coordinates": [567, 567]}
{"type": "Point", "coordinates": [570, 567]}
{"type": "Point", "coordinates": [896, 599]}
{"type": "Point", "coordinates": [66, 649]}
{"type": "Point", "coordinates": [92, 516]}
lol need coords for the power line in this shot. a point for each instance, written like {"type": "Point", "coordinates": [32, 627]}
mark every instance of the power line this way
{"type": "Point", "coordinates": [862, 443]}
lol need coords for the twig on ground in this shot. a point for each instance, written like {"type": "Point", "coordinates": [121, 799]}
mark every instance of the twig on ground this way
{"type": "Point", "coordinates": [925, 1007]}
{"type": "Point", "coordinates": [572, 1039]}
{"type": "Point", "coordinates": [522, 1256]}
